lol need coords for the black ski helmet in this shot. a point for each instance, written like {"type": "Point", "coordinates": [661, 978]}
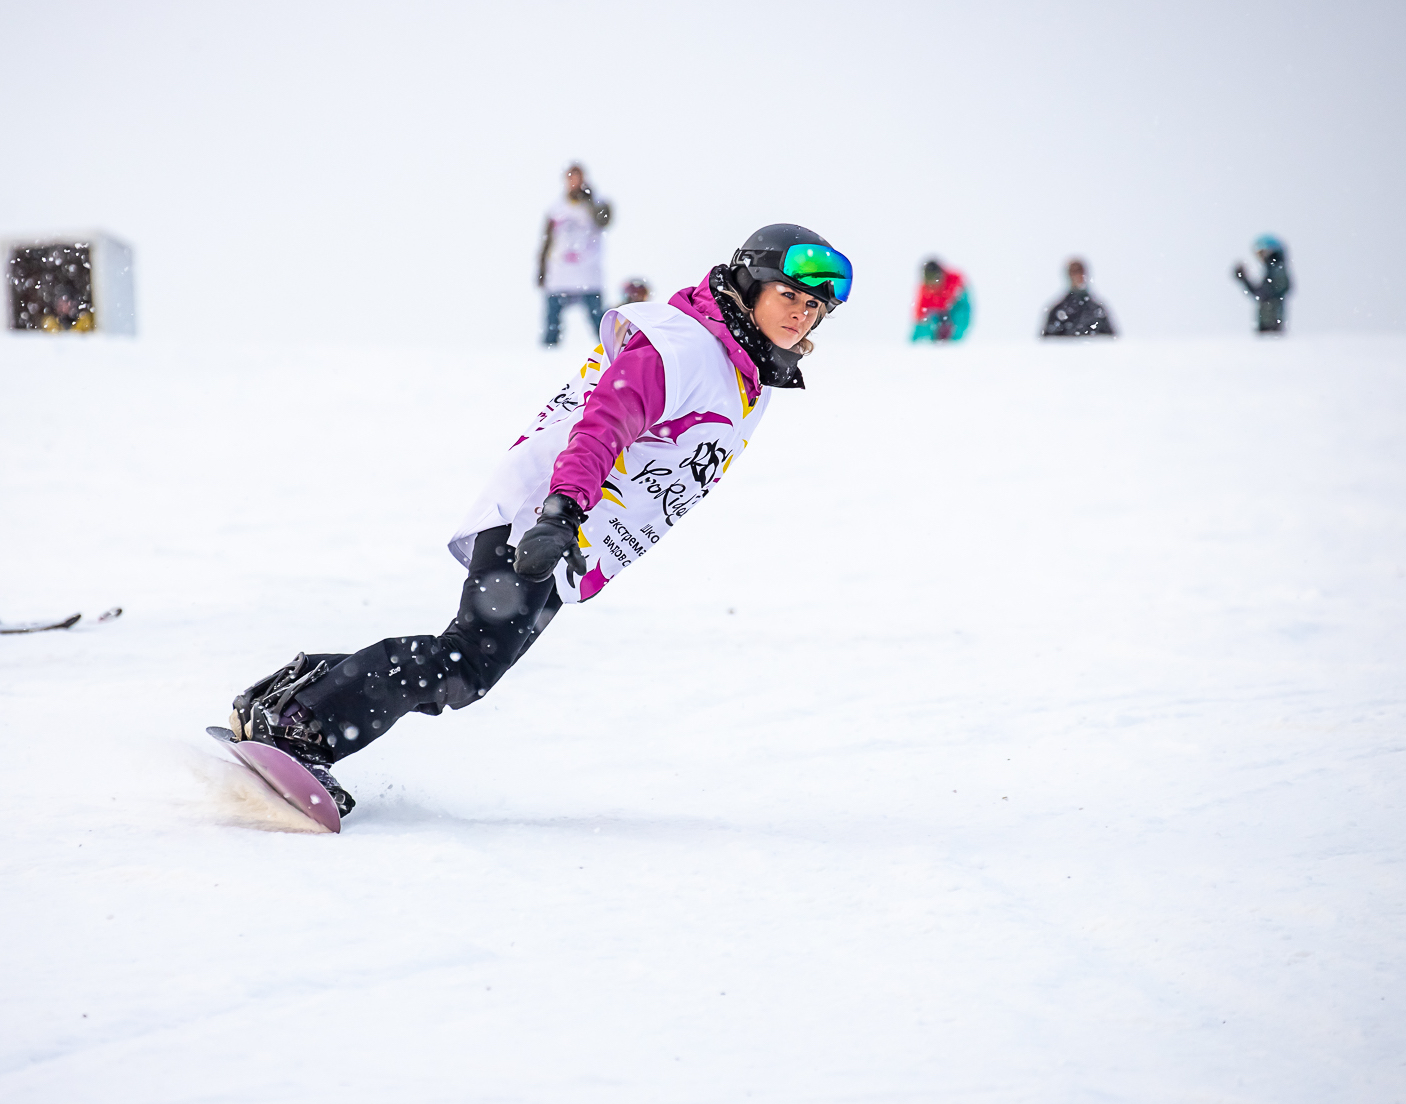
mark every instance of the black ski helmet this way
{"type": "Point", "coordinates": [758, 261]}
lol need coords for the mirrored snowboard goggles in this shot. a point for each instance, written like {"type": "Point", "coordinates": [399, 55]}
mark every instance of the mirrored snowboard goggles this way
{"type": "Point", "coordinates": [814, 265]}
{"type": "Point", "coordinates": [808, 265]}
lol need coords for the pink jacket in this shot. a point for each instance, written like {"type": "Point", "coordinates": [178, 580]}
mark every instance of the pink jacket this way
{"type": "Point", "coordinates": [628, 401]}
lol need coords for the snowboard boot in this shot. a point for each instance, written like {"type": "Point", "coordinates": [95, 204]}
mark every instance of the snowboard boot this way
{"type": "Point", "coordinates": [268, 713]}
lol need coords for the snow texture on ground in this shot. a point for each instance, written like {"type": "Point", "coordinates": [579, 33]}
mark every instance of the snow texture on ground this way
{"type": "Point", "coordinates": [1015, 723]}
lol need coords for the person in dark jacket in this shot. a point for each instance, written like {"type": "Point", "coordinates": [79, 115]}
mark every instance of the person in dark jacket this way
{"type": "Point", "coordinates": [1078, 314]}
{"type": "Point", "coordinates": [1271, 292]}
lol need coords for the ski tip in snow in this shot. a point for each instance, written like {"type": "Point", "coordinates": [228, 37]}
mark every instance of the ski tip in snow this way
{"type": "Point", "coordinates": [222, 734]}
{"type": "Point", "coordinates": [39, 626]}
{"type": "Point", "coordinates": [57, 623]}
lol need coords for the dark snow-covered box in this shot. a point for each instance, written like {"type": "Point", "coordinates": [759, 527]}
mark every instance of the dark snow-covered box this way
{"type": "Point", "coordinates": [69, 282]}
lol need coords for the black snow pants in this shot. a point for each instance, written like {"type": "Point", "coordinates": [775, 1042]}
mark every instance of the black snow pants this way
{"type": "Point", "coordinates": [1271, 314]}
{"type": "Point", "coordinates": [500, 615]}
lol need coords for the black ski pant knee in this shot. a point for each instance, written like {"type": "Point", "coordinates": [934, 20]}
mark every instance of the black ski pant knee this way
{"type": "Point", "coordinates": [500, 615]}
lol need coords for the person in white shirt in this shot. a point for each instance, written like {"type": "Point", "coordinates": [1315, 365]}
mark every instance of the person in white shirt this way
{"type": "Point", "coordinates": [569, 268]}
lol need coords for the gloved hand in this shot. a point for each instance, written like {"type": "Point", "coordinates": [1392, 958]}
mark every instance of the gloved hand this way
{"type": "Point", "coordinates": [553, 537]}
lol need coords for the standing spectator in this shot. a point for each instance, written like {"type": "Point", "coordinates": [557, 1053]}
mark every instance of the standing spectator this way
{"type": "Point", "coordinates": [635, 290]}
{"type": "Point", "coordinates": [1274, 288]}
{"type": "Point", "coordinates": [943, 310]}
{"type": "Point", "coordinates": [569, 269]}
{"type": "Point", "coordinates": [1078, 314]}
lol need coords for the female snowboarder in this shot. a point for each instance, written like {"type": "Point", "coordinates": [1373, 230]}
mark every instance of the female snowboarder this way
{"type": "Point", "coordinates": [633, 442]}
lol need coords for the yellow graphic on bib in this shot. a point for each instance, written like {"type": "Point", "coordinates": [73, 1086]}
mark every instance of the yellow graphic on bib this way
{"type": "Point", "coordinates": [593, 362]}
{"type": "Point", "coordinates": [747, 407]}
{"type": "Point", "coordinates": [611, 492]}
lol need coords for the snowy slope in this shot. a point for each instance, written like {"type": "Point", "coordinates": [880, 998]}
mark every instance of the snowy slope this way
{"type": "Point", "coordinates": [1042, 742]}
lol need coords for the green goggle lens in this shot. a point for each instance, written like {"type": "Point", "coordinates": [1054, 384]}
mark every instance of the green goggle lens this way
{"type": "Point", "coordinates": [814, 265]}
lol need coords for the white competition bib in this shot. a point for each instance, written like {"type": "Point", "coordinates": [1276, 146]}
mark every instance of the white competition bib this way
{"type": "Point", "coordinates": [706, 422]}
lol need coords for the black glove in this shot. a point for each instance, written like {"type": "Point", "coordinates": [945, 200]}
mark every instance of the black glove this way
{"type": "Point", "coordinates": [553, 537]}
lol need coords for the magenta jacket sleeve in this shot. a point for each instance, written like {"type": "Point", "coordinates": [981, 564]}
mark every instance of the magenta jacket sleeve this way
{"type": "Point", "coordinates": [628, 399]}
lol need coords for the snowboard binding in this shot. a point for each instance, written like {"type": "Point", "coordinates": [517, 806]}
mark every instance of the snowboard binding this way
{"type": "Point", "coordinates": [267, 712]}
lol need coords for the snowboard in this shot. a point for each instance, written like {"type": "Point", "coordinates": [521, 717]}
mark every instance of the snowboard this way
{"type": "Point", "coordinates": [58, 623]}
{"type": "Point", "coordinates": [285, 776]}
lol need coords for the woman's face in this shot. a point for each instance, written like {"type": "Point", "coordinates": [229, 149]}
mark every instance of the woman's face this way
{"type": "Point", "coordinates": [784, 314]}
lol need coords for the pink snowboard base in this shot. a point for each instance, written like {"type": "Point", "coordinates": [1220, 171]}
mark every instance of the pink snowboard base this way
{"type": "Point", "coordinates": [287, 777]}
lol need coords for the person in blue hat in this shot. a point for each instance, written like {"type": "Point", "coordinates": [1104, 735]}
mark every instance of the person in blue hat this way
{"type": "Point", "coordinates": [1270, 292]}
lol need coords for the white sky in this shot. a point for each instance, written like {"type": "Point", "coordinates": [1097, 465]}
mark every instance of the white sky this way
{"type": "Point", "coordinates": [377, 171]}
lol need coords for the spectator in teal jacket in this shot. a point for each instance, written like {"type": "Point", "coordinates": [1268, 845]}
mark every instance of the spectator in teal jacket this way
{"type": "Point", "coordinates": [943, 310]}
{"type": "Point", "coordinates": [1270, 292]}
